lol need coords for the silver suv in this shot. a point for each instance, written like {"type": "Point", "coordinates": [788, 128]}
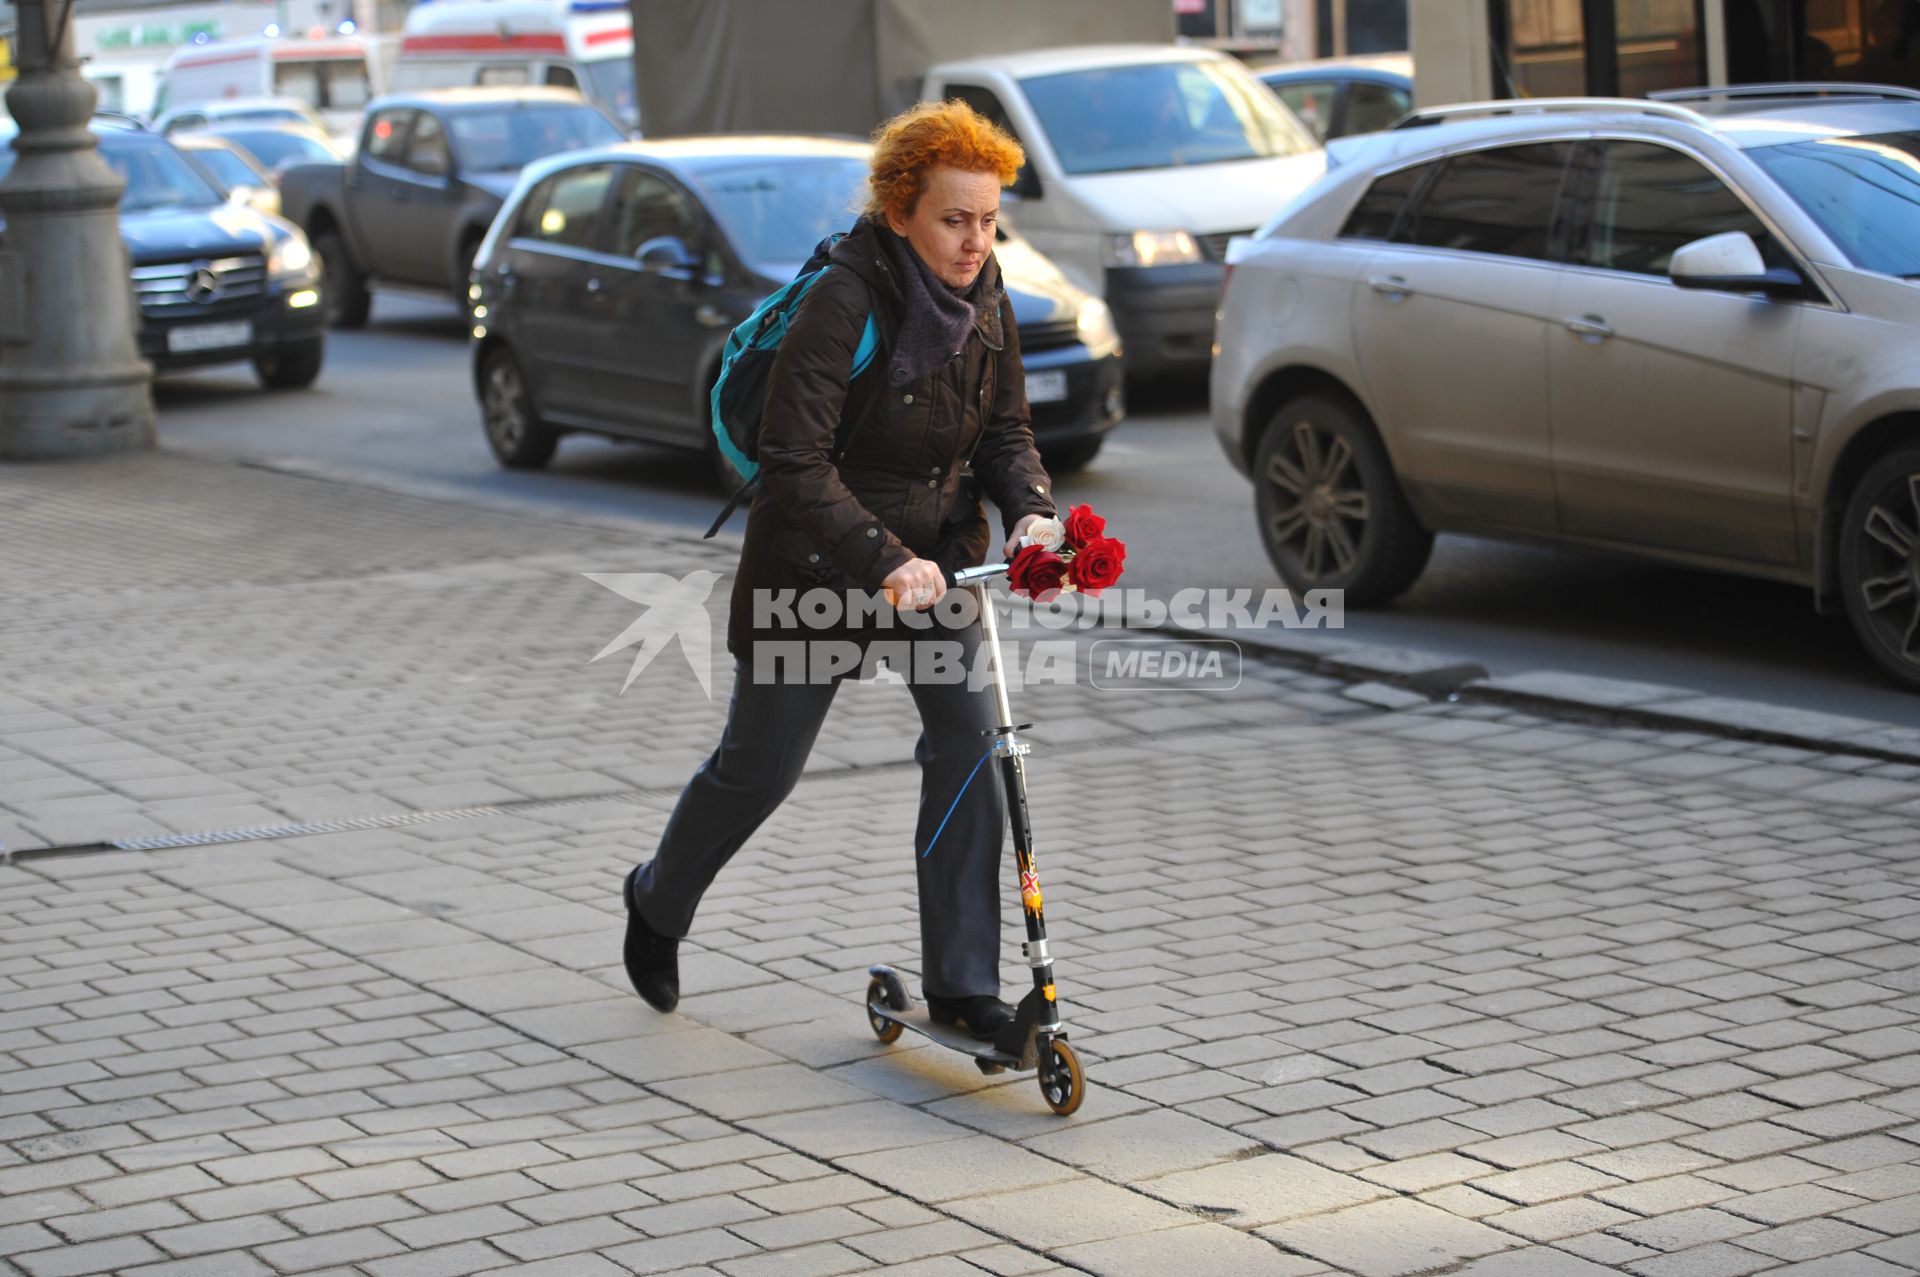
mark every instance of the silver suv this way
{"type": "Point", "coordinates": [1683, 329]}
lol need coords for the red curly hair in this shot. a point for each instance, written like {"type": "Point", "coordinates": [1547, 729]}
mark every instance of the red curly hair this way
{"type": "Point", "coordinates": [907, 148]}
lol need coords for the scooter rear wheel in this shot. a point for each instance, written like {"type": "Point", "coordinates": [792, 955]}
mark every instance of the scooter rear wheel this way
{"type": "Point", "coordinates": [886, 1030]}
{"type": "Point", "coordinates": [1062, 1083]}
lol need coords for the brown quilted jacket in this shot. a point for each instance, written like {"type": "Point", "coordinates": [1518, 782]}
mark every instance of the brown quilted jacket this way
{"type": "Point", "coordinates": [898, 491]}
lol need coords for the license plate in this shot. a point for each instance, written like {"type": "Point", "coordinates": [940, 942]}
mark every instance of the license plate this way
{"type": "Point", "coordinates": [1046, 387]}
{"type": "Point", "coordinates": [194, 337]}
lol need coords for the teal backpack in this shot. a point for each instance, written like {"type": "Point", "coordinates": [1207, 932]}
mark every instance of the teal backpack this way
{"type": "Point", "coordinates": [739, 398]}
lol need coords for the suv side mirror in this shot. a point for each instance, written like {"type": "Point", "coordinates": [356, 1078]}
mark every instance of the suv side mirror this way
{"type": "Point", "coordinates": [1730, 263]}
{"type": "Point", "coordinates": [431, 163]}
{"type": "Point", "coordinates": [665, 253]}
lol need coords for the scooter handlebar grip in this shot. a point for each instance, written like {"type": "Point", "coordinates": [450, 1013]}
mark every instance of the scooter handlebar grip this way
{"type": "Point", "coordinates": [969, 576]}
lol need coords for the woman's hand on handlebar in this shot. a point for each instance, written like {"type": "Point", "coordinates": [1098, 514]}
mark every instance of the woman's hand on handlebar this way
{"type": "Point", "coordinates": [917, 583]}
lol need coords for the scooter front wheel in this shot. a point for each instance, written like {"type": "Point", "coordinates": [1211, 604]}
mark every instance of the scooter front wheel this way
{"type": "Point", "coordinates": [1062, 1083]}
{"type": "Point", "coordinates": [886, 1030]}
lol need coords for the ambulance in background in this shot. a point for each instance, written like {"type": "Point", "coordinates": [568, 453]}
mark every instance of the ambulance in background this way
{"type": "Point", "coordinates": [572, 44]}
{"type": "Point", "coordinates": [328, 73]}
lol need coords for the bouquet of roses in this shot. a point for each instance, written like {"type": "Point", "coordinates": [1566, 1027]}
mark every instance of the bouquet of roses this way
{"type": "Point", "coordinates": [1059, 557]}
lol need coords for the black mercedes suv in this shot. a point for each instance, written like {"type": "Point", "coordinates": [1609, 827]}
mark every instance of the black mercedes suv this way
{"type": "Point", "coordinates": [216, 282]}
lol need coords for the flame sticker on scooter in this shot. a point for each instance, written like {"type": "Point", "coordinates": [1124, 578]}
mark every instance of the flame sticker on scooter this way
{"type": "Point", "coordinates": [1030, 890]}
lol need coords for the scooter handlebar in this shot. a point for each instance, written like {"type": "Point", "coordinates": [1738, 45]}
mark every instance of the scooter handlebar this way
{"type": "Point", "coordinates": [971, 576]}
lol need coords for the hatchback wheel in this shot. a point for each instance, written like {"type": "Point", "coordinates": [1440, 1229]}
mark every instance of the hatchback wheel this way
{"type": "Point", "coordinates": [1880, 563]}
{"type": "Point", "coordinates": [519, 439]}
{"type": "Point", "coordinates": [1331, 511]}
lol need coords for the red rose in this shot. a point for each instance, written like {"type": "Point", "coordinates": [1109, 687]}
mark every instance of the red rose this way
{"type": "Point", "coordinates": [1036, 573]}
{"type": "Point", "coordinates": [1098, 564]}
{"type": "Point", "coordinates": [1083, 526]}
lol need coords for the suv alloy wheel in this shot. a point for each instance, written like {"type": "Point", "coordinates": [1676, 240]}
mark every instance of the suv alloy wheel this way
{"type": "Point", "coordinates": [1331, 512]}
{"type": "Point", "coordinates": [1880, 563]}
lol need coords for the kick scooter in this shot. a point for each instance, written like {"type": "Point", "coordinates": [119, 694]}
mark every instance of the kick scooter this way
{"type": "Point", "coordinates": [1035, 1039]}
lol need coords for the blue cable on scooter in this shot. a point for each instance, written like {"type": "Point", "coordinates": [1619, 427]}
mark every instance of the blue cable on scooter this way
{"type": "Point", "coordinates": [956, 803]}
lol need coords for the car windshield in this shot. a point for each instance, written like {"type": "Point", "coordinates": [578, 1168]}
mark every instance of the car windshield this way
{"type": "Point", "coordinates": [1864, 192]}
{"type": "Point", "coordinates": [612, 81]}
{"type": "Point", "coordinates": [1161, 115]}
{"type": "Point", "coordinates": [261, 114]}
{"type": "Point", "coordinates": [276, 148]}
{"type": "Point", "coordinates": [157, 175]}
{"type": "Point", "coordinates": [775, 211]}
{"type": "Point", "coordinates": [225, 167]}
{"type": "Point", "coordinates": [511, 137]}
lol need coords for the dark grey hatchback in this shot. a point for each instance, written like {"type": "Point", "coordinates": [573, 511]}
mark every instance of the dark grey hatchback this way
{"type": "Point", "coordinates": [610, 280]}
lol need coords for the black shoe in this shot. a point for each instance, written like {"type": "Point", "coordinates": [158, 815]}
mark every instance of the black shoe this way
{"type": "Point", "coordinates": [984, 1016]}
{"type": "Point", "coordinates": [653, 960]}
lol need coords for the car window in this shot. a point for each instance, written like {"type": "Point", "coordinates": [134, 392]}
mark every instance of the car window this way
{"type": "Point", "coordinates": [560, 77]}
{"type": "Point", "coordinates": [1158, 115]}
{"type": "Point", "coordinates": [386, 135]}
{"type": "Point", "coordinates": [226, 167]}
{"type": "Point", "coordinates": [1378, 211]}
{"type": "Point", "coordinates": [496, 139]}
{"type": "Point", "coordinates": [987, 103]}
{"type": "Point", "coordinates": [1372, 107]}
{"type": "Point", "coordinates": [648, 208]}
{"type": "Point", "coordinates": [774, 211]}
{"type": "Point", "coordinates": [565, 209]}
{"type": "Point", "coordinates": [1649, 200]}
{"type": "Point", "coordinates": [1501, 201]}
{"type": "Point", "coordinates": [427, 149]}
{"type": "Point", "coordinates": [505, 75]}
{"type": "Point", "coordinates": [157, 175]}
{"type": "Point", "coordinates": [1864, 192]}
{"type": "Point", "coordinates": [1312, 101]}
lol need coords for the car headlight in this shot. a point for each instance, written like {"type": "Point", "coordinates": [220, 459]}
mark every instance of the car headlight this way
{"type": "Point", "coordinates": [291, 256]}
{"type": "Point", "coordinates": [1095, 324]}
{"type": "Point", "coordinates": [1152, 248]}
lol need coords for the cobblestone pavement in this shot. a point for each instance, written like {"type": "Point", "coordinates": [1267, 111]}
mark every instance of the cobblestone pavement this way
{"type": "Point", "coordinates": [1366, 985]}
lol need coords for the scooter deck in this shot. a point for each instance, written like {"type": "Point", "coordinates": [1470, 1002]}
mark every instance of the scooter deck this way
{"type": "Point", "coordinates": [954, 1037]}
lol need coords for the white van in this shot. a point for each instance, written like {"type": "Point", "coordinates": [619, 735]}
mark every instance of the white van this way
{"type": "Point", "coordinates": [328, 73]}
{"type": "Point", "coordinates": [573, 44]}
{"type": "Point", "coordinates": [1143, 160]}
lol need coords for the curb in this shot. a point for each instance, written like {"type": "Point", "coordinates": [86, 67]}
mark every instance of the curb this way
{"type": "Point", "coordinates": [1603, 701]}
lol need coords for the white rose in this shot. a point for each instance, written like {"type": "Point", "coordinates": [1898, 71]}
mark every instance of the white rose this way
{"type": "Point", "coordinates": [1048, 534]}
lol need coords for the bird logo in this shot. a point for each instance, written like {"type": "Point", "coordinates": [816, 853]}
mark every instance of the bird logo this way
{"type": "Point", "coordinates": [676, 608]}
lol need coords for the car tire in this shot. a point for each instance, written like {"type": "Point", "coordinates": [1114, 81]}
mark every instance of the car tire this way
{"type": "Point", "coordinates": [1880, 563]}
{"type": "Point", "coordinates": [1067, 457]}
{"type": "Point", "coordinates": [1331, 512]}
{"type": "Point", "coordinates": [519, 439]}
{"type": "Point", "coordinates": [291, 367]}
{"type": "Point", "coordinates": [342, 287]}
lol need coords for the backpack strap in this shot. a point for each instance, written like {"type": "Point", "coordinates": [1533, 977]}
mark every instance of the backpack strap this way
{"type": "Point", "coordinates": [861, 397]}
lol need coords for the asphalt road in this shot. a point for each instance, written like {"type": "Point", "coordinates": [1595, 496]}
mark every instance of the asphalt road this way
{"type": "Point", "coordinates": [395, 403]}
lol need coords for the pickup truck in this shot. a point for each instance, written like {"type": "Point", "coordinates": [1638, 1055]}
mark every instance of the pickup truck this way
{"type": "Point", "coordinates": [411, 206]}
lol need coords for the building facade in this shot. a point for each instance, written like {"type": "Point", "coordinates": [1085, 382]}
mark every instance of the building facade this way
{"type": "Point", "coordinates": [1472, 49]}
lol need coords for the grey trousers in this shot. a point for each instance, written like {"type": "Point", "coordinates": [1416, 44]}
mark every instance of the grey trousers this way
{"type": "Point", "coordinates": [769, 733]}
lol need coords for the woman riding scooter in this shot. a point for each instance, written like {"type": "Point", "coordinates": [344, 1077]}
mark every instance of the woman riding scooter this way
{"type": "Point", "coordinates": [882, 502]}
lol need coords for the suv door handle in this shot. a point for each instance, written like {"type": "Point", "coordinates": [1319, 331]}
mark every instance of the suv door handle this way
{"type": "Point", "coordinates": [593, 285]}
{"type": "Point", "coordinates": [1390, 286]}
{"type": "Point", "coordinates": [710, 317]}
{"type": "Point", "coordinates": [1590, 326]}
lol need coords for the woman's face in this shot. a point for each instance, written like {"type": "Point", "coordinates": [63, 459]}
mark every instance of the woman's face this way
{"type": "Point", "coordinates": [952, 225]}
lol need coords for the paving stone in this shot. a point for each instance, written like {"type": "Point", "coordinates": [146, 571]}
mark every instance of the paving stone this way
{"type": "Point", "coordinates": [1203, 1248]}
{"type": "Point", "coordinates": [1261, 1190]}
{"type": "Point", "coordinates": [1389, 1238]}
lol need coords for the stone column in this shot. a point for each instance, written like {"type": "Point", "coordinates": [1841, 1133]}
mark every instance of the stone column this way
{"type": "Point", "coordinates": [72, 382]}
